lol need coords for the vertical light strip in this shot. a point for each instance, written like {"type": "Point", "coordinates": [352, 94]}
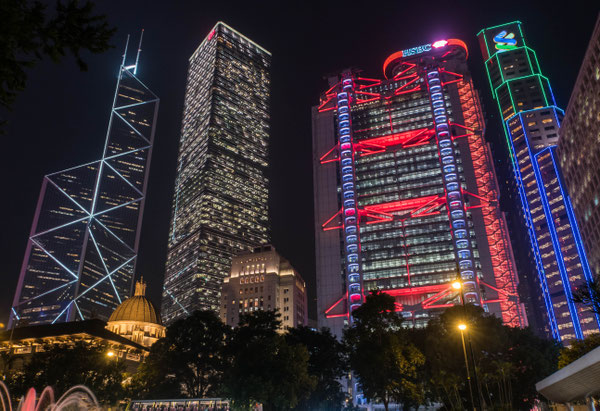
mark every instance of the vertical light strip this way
{"type": "Point", "coordinates": [350, 215]}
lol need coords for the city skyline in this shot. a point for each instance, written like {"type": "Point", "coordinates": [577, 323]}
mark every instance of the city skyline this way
{"type": "Point", "coordinates": [286, 219]}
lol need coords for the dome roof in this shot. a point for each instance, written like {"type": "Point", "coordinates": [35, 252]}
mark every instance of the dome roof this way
{"type": "Point", "coordinates": [136, 308]}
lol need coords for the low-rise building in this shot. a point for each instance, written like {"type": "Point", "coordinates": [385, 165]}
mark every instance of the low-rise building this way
{"type": "Point", "coordinates": [263, 280]}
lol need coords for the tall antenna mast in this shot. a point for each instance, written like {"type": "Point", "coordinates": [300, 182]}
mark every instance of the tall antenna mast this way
{"type": "Point", "coordinates": [138, 52]}
{"type": "Point", "coordinates": [125, 52]}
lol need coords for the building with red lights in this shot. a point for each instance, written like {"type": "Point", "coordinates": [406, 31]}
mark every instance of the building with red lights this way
{"type": "Point", "coordinates": [406, 198]}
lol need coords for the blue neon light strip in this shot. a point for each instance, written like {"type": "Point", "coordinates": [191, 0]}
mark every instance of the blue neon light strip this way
{"type": "Point", "coordinates": [553, 235]}
{"type": "Point", "coordinates": [533, 238]}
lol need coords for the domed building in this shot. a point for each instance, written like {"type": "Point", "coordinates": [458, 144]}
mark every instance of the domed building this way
{"type": "Point", "coordinates": [136, 319]}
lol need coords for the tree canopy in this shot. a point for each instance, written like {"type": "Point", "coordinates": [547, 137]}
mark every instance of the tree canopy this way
{"type": "Point", "coordinates": [29, 33]}
{"type": "Point", "coordinates": [188, 362]}
{"type": "Point", "coordinates": [385, 362]}
{"type": "Point", "coordinates": [63, 366]}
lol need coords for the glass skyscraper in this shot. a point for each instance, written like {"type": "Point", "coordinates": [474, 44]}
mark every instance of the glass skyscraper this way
{"type": "Point", "coordinates": [579, 150]}
{"type": "Point", "coordinates": [531, 122]}
{"type": "Point", "coordinates": [406, 199]}
{"type": "Point", "coordinates": [221, 193]}
{"type": "Point", "coordinates": [81, 254]}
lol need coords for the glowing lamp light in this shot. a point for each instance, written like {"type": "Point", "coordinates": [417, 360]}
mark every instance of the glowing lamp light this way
{"type": "Point", "coordinates": [462, 327]}
{"type": "Point", "coordinates": [456, 285]}
{"type": "Point", "coordinates": [439, 43]}
{"type": "Point", "coordinates": [110, 354]}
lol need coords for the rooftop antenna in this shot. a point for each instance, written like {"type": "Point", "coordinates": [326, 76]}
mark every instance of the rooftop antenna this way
{"type": "Point", "coordinates": [138, 52]}
{"type": "Point", "coordinates": [125, 52]}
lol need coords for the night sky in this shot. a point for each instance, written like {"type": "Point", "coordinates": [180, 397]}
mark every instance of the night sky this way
{"type": "Point", "coordinates": [60, 120]}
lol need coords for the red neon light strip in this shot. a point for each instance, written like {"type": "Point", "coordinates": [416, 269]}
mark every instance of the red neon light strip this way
{"type": "Point", "coordinates": [328, 221]}
{"type": "Point", "coordinates": [326, 154]}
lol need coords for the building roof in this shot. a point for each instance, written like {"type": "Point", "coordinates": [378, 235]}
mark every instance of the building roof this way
{"type": "Point", "coordinates": [576, 381]}
{"type": "Point", "coordinates": [94, 328]}
{"type": "Point", "coordinates": [136, 308]}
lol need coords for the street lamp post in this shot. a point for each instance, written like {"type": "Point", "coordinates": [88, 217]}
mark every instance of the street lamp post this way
{"type": "Point", "coordinates": [463, 327]}
{"type": "Point", "coordinates": [457, 285]}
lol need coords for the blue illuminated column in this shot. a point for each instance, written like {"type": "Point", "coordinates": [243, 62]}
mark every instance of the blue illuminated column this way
{"type": "Point", "coordinates": [349, 211]}
{"type": "Point", "coordinates": [453, 190]}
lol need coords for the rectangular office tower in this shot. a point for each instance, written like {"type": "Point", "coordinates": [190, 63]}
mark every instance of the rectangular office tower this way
{"type": "Point", "coordinates": [221, 193]}
{"type": "Point", "coordinates": [406, 199]}
{"type": "Point", "coordinates": [81, 254]}
{"type": "Point", "coordinates": [579, 150]}
{"type": "Point", "coordinates": [531, 122]}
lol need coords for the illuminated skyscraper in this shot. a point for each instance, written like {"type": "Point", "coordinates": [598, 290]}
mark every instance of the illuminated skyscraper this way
{"type": "Point", "coordinates": [81, 254]}
{"type": "Point", "coordinates": [406, 198]}
{"type": "Point", "coordinates": [579, 150]}
{"type": "Point", "coordinates": [220, 202]}
{"type": "Point", "coordinates": [531, 121]}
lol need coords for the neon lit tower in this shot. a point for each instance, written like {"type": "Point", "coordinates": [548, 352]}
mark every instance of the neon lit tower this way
{"type": "Point", "coordinates": [80, 257]}
{"type": "Point", "coordinates": [406, 197]}
{"type": "Point", "coordinates": [531, 122]}
{"type": "Point", "coordinates": [221, 190]}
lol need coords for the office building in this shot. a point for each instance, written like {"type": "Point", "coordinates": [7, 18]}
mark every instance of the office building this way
{"type": "Point", "coordinates": [531, 121]}
{"type": "Point", "coordinates": [579, 150]}
{"type": "Point", "coordinates": [405, 193]}
{"type": "Point", "coordinates": [80, 258]}
{"type": "Point", "coordinates": [263, 280]}
{"type": "Point", "coordinates": [221, 190]}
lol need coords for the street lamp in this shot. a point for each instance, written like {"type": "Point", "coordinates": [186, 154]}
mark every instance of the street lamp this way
{"type": "Point", "coordinates": [462, 327]}
{"type": "Point", "coordinates": [457, 285]}
{"type": "Point", "coordinates": [110, 354]}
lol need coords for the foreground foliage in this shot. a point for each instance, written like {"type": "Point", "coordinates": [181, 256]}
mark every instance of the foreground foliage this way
{"type": "Point", "coordinates": [63, 366]}
{"type": "Point", "coordinates": [28, 33]}
{"type": "Point", "coordinates": [578, 349]}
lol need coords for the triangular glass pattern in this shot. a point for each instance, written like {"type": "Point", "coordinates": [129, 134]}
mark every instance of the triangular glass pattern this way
{"type": "Point", "coordinates": [122, 138]}
{"type": "Point", "coordinates": [131, 166]}
{"type": "Point", "coordinates": [140, 117]}
{"type": "Point", "coordinates": [65, 244]}
{"type": "Point", "coordinates": [122, 222]}
{"type": "Point", "coordinates": [132, 91]}
{"type": "Point", "coordinates": [123, 279]}
{"type": "Point", "coordinates": [114, 191]}
{"type": "Point", "coordinates": [43, 274]}
{"type": "Point", "coordinates": [112, 250]}
{"type": "Point", "coordinates": [57, 209]}
{"type": "Point", "coordinates": [78, 182]}
{"type": "Point", "coordinates": [51, 304]}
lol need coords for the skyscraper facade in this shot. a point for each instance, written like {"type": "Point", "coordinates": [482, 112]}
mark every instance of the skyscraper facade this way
{"type": "Point", "coordinates": [531, 121]}
{"type": "Point", "coordinates": [579, 150]}
{"type": "Point", "coordinates": [221, 193]}
{"type": "Point", "coordinates": [81, 254]}
{"type": "Point", "coordinates": [406, 199]}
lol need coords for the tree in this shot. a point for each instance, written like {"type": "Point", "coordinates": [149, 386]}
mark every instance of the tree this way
{"type": "Point", "coordinates": [589, 295]}
{"type": "Point", "coordinates": [326, 364]}
{"type": "Point", "coordinates": [63, 366]}
{"type": "Point", "coordinates": [188, 361]}
{"type": "Point", "coordinates": [509, 361]}
{"type": "Point", "coordinates": [386, 363]}
{"type": "Point", "coordinates": [27, 35]}
{"type": "Point", "coordinates": [577, 349]}
{"type": "Point", "coordinates": [263, 367]}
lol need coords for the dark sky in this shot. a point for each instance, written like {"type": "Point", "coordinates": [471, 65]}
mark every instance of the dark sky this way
{"type": "Point", "coordinates": [60, 120]}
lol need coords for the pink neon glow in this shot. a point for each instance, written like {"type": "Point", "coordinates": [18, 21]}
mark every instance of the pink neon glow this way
{"type": "Point", "coordinates": [211, 34]}
{"type": "Point", "coordinates": [439, 43]}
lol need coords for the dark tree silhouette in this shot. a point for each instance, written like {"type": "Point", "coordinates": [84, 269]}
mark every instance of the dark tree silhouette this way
{"type": "Point", "coordinates": [28, 34]}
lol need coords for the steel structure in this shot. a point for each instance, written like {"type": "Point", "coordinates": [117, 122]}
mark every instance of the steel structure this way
{"type": "Point", "coordinates": [80, 257]}
{"type": "Point", "coordinates": [220, 205]}
{"type": "Point", "coordinates": [414, 201]}
{"type": "Point", "coordinates": [531, 121]}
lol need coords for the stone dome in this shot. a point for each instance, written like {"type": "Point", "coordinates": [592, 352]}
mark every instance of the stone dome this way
{"type": "Point", "coordinates": [137, 308]}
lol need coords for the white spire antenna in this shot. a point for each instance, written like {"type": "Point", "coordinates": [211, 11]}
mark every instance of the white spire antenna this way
{"type": "Point", "coordinates": [125, 52]}
{"type": "Point", "coordinates": [138, 52]}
